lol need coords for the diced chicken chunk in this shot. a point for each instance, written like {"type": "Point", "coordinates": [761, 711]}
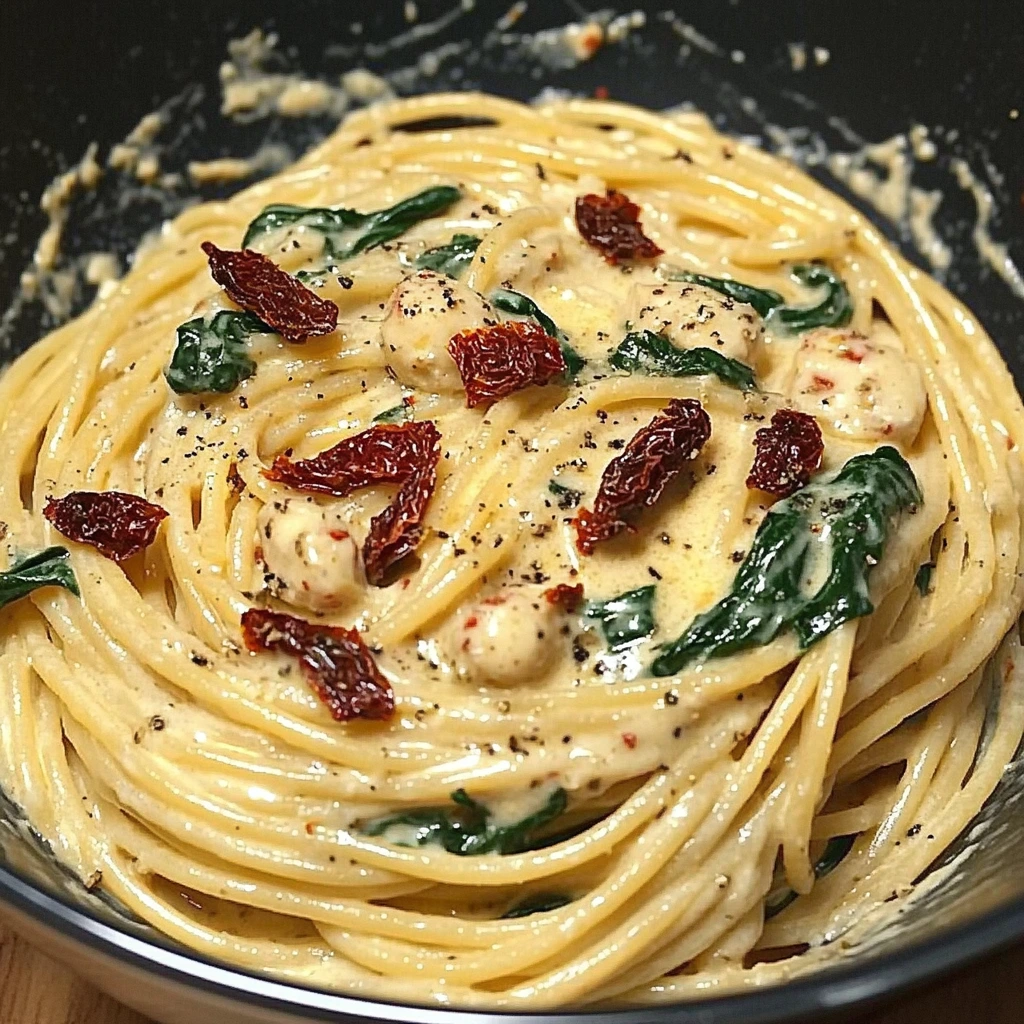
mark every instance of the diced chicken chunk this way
{"type": "Point", "coordinates": [423, 314]}
{"type": "Point", "coordinates": [512, 637]}
{"type": "Point", "coordinates": [863, 387]}
{"type": "Point", "coordinates": [311, 559]}
{"type": "Point", "coordinates": [692, 316]}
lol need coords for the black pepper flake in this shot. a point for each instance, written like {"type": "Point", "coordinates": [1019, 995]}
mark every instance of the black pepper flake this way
{"type": "Point", "coordinates": [651, 571]}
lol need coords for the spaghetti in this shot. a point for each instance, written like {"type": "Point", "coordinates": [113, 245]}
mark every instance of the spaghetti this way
{"type": "Point", "coordinates": [545, 704]}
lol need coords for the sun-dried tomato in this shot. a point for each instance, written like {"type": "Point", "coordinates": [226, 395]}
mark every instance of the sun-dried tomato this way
{"type": "Point", "coordinates": [499, 360]}
{"type": "Point", "coordinates": [565, 595]}
{"type": "Point", "coordinates": [611, 224]}
{"type": "Point", "coordinates": [399, 453]}
{"type": "Point", "coordinates": [118, 525]}
{"type": "Point", "coordinates": [336, 662]}
{"type": "Point", "coordinates": [636, 479]}
{"type": "Point", "coordinates": [260, 286]}
{"type": "Point", "coordinates": [396, 532]}
{"type": "Point", "coordinates": [788, 452]}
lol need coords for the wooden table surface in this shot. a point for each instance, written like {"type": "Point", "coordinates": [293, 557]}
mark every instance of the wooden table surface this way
{"type": "Point", "coordinates": [35, 990]}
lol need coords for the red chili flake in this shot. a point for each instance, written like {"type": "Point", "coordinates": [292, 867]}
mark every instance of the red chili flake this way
{"type": "Point", "coordinates": [471, 623]}
{"type": "Point", "coordinates": [339, 534]}
{"type": "Point", "coordinates": [636, 479]}
{"type": "Point", "coordinates": [611, 224]}
{"type": "Point", "coordinates": [823, 383]}
{"type": "Point", "coordinates": [565, 595]}
{"type": "Point", "coordinates": [387, 453]}
{"type": "Point", "coordinates": [788, 452]}
{"type": "Point", "coordinates": [499, 360]}
{"type": "Point", "coordinates": [118, 525]}
{"type": "Point", "coordinates": [336, 662]}
{"type": "Point", "coordinates": [260, 286]}
{"type": "Point", "coordinates": [629, 738]}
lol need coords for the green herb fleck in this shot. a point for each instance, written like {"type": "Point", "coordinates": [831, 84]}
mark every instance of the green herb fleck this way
{"type": "Point", "coordinates": [653, 354]}
{"type": "Point", "coordinates": [396, 414]}
{"type": "Point", "coordinates": [452, 258]}
{"type": "Point", "coordinates": [538, 903]}
{"type": "Point", "coordinates": [47, 568]}
{"type": "Point", "coordinates": [845, 518]}
{"type": "Point", "coordinates": [624, 620]}
{"type": "Point", "coordinates": [347, 232]}
{"type": "Point", "coordinates": [466, 829]}
{"type": "Point", "coordinates": [213, 356]}
{"type": "Point", "coordinates": [567, 497]}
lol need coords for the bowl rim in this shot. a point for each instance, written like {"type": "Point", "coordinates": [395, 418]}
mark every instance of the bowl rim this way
{"type": "Point", "coordinates": [834, 988]}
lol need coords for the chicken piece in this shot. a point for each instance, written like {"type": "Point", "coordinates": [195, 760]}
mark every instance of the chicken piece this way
{"type": "Point", "coordinates": [692, 316]}
{"type": "Point", "coordinates": [311, 559]}
{"type": "Point", "coordinates": [864, 387]}
{"type": "Point", "coordinates": [423, 314]}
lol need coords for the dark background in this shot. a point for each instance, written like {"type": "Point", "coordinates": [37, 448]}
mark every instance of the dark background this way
{"type": "Point", "coordinates": [74, 72]}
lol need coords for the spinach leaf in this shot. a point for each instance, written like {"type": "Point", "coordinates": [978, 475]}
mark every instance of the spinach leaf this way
{"type": "Point", "coordinates": [324, 219]}
{"type": "Point", "coordinates": [835, 850]}
{"type": "Point", "coordinates": [762, 299]}
{"type": "Point", "coordinates": [371, 229]}
{"type": "Point", "coordinates": [396, 414]}
{"type": "Point", "coordinates": [923, 578]}
{"type": "Point", "coordinates": [843, 518]}
{"type": "Point", "coordinates": [466, 829]}
{"type": "Point", "coordinates": [624, 620]}
{"type": "Point", "coordinates": [567, 497]}
{"type": "Point", "coordinates": [834, 310]}
{"type": "Point", "coordinates": [452, 258]}
{"type": "Point", "coordinates": [538, 903]}
{"type": "Point", "coordinates": [518, 304]}
{"type": "Point", "coordinates": [213, 355]}
{"type": "Point", "coordinates": [46, 568]}
{"type": "Point", "coordinates": [653, 354]}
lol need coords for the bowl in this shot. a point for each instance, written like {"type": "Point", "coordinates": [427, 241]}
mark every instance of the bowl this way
{"type": "Point", "coordinates": [810, 79]}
